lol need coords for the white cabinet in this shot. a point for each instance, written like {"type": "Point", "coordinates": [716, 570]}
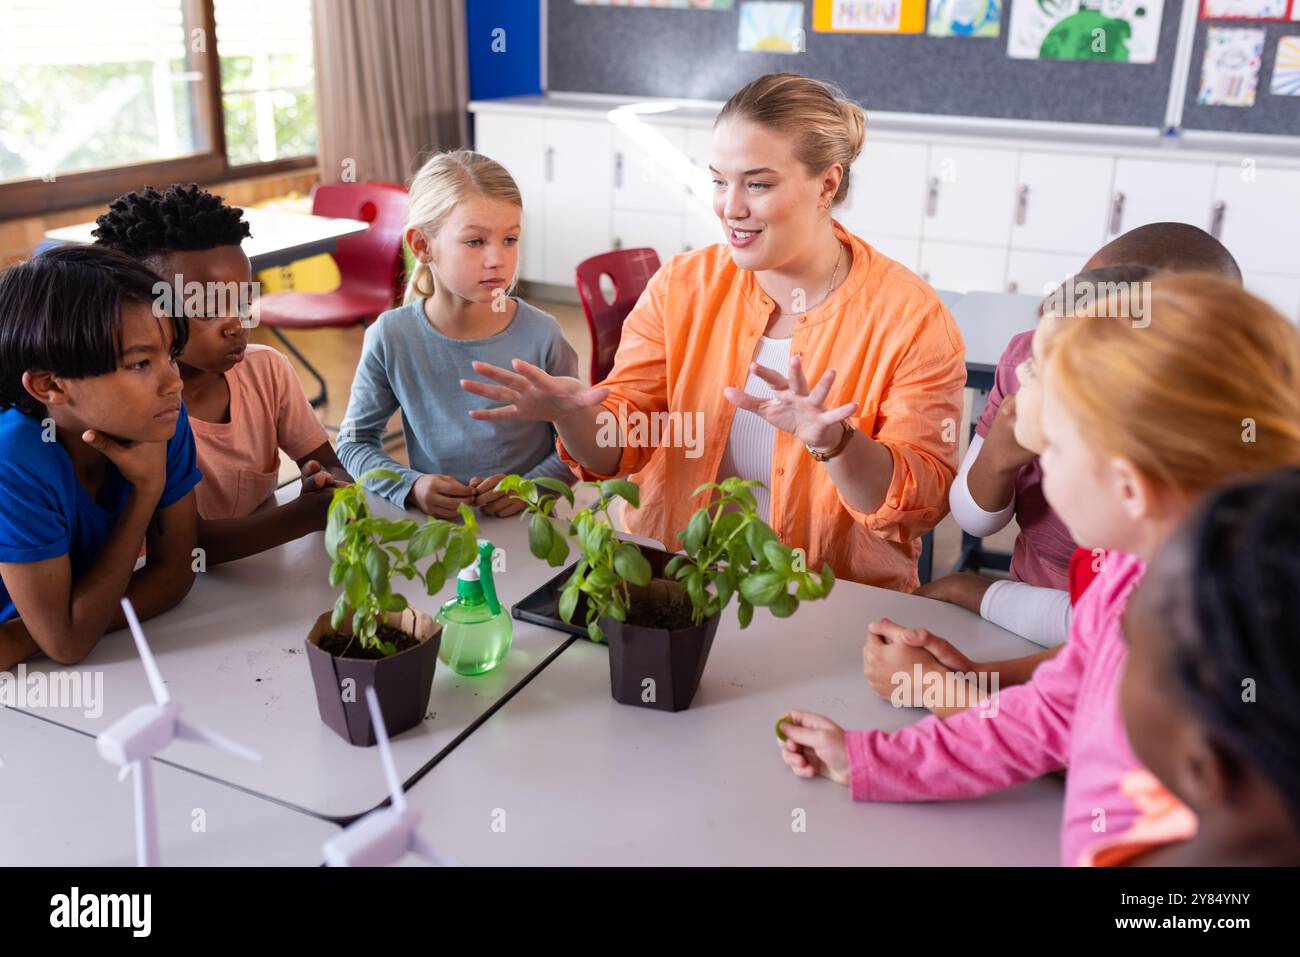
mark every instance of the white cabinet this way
{"type": "Point", "coordinates": [647, 165]}
{"type": "Point", "coordinates": [1283, 292]}
{"type": "Point", "coordinates": [579, 180]}
{"type": "Point", "coordinates": [519, 143]}
{"type": "Point", "coordinates": [903, 250]}
{"type": "Point", "coordinates": [662, 232]}
{"type": "Point", "coordinates": [1256, 212]}
{"type": "Point", "coordinates": [963, 267]}
{"type": "Point", "coordinates": [886, 190]}
{"type": "Point", "coordinates": [968, 214]}
{"type": "Point", "coordinates": [700, 224]}
{"type": "Point", "coordinates": [1037, 274]}
{"type": "Point", "coordinates": [1060, 203]}
{"type": "Point", "coordinates": [970, 194]}
{"type": "Point", "coordinates": [1157, 191]}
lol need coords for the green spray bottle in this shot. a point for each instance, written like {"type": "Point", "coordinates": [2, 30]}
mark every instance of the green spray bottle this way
{"type": "Point", "coordinates": [476, 630]}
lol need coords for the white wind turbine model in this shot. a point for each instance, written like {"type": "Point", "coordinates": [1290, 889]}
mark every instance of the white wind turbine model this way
{"type": "Point", "coordinates": [386, 835]}
{"type": "Point", "coordinates": [132, 741]}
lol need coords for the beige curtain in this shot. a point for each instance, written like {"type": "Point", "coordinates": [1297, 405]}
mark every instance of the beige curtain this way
{"type": "Point", "coordinates": [392, 85]}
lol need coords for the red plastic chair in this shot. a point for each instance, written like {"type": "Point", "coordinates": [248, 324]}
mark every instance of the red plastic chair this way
{"type": "Point", "coordinates": [629, 270]}
{"type": "Point", "coordinates": [370, 267]}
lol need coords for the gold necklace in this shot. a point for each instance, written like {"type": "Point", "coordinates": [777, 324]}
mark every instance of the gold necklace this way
{"type": "Point", "coordinates": [839, 254]}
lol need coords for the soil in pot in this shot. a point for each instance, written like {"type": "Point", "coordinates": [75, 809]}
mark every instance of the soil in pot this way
{"type": "Point", "coordinates": [662, 605]}
{"type": "Point", "coordinates": [346, 646]}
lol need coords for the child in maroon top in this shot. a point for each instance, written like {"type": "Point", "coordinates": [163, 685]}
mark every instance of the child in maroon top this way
{"type": "Point", "coordinates": [1000, 477]}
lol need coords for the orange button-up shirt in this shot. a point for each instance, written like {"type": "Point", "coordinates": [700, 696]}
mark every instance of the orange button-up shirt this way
{"type": "Point", "coordinates": [896, 351]}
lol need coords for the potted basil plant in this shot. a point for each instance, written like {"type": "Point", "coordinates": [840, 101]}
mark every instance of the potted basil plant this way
{"type": "Point", "coordinates": [659, 610]}
{"type": "Point", "coordinates": [372, 637]}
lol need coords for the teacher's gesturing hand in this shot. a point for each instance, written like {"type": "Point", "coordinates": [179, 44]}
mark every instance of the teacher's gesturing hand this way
{"type": "Point", "coordinates": [860, 467]}
{"type": "Point", "coordinates": [793, 408]}
{"type": "Point", "coordinates": [531, 394]}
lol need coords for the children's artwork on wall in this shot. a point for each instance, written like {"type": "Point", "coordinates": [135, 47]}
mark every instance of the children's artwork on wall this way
{"type": "Point", "coordinates": [1117, 31]}
{"type": "Point", "coordinates": [869, 16]}
{"type": "Point", "coordinates": [666, 4]}
{"type": "Point", "coordinates": [1231, 68]}
{"type": "Point", "coordinates": [965, 18]}
{"type": "Point", "coordinates": [1286, 68]}
{"type": "Point", "coordinates": [1246, 9]}
{"type": "Point", "coordinates": [770, 27]}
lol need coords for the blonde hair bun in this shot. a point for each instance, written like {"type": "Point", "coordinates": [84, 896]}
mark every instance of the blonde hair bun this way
{"type": "Point", "coordinates": [826, 126]}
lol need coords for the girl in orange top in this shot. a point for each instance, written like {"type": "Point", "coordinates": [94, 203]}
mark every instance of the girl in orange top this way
{"type": "Point", "coordinates": [852, 416]}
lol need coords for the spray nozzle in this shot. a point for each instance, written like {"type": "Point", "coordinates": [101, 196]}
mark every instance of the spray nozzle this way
{"type": "Point", "coordinates": [485, 550]}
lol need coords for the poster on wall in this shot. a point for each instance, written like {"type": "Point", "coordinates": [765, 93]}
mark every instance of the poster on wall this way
{"type": "Point", "coordinates": [965, 18]}
{"type": "Point", "coordinates": [1286, 68]}
{"type": "Point", "coordinates": [1230, 71]}
{"type": "Point", "coordinates": [767, 27]}
{"type": "Point", "coordinates": [1115, 31]}
{"type": "Point", "coordinates": [665, 4]}
{"type": "Point", "coordinates": [1246, 9]}
{"type": "Point", "coordinates": [869, 16]}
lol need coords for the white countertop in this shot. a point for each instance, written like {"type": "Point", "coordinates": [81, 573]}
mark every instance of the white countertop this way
{"type": "Point", "coordinates": [577, 779]}
{"type": "Point", "coordinates": [233, 655]}
{"type": "Point", "coordinates": [62, 805]}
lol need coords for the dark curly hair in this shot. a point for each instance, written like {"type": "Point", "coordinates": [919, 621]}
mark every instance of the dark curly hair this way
{"type": "Point", "coordinates": [149, 224]}
{"type": "Point", "coordinates": [1244, 596]}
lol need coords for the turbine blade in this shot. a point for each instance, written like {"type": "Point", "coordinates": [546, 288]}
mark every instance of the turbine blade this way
{"type": "Point", "coordinates": [219, 741]}
{"type": "Point", "coordinates": [385, 752]}
{"type": "Point", "coordinates": [422, 848]}
{"type": "Point", "coordinates": [160, 694]}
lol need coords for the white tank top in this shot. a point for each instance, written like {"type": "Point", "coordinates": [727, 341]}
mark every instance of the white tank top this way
{"type": "Point", "coordinates": [752, 439]}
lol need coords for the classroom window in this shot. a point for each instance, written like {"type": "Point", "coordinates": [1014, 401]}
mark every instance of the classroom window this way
{"type": "Point", "coordinates": [92, 84]}
{"type": "Point", "coordinates": [267, 92]}
{"type": "Point", "coordinates": [100, 96]}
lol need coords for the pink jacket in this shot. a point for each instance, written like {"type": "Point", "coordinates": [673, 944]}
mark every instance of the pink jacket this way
{"type": "Point", "coordinates": [1067, 715]}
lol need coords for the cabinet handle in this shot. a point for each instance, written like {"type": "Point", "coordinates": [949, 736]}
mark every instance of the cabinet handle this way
{"type": "Point", "coordinates": [1013, 286]}
{"type": "Point", "coordinates": [1022, 204]}
{"type": "Point", "coordinates": [687, 248]}
{"type": "Point", "coordinates": [1116, 213]}
{"type": "Point", "coordinates": [925, 274]}
{"type": "Point", "coordinates": [618, 242]}
{"type": "Point", "coordinates": [550, 164]}
{"type": "Point", "coordinates": [1216, 222]}
{"type": "Point", "coordinates": [932, 197]}
{"type": "Point", "coordinates": [618, 170]}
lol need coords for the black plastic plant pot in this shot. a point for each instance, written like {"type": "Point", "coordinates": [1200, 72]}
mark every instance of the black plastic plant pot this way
{"type": "Point", "coordinates": [402, 682]}
{"type": "Point", "coordinates": [657, 667]}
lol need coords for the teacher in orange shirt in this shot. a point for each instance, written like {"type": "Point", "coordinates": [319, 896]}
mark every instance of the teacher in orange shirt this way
{"type": "Point", "coordinates": [794, 354]}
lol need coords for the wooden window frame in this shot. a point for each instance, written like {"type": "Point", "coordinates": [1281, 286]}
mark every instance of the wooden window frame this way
{"type": "Point", "coordinates": [32, 197]}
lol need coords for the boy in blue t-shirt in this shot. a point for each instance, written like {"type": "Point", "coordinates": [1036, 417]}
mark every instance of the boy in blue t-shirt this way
{"type": "Point", "coordinates": [96, 454]}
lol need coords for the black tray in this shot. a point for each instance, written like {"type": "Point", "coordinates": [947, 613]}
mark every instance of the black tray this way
{"type": "Point", "coordinates": [542, 607]}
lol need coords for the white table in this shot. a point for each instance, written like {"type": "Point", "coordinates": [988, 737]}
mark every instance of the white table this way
{"type": "Point", "coordinates": [232, 654]}
{"type": "Point", "coordinates": [62, 805]}
{"type": "Point", "coordinates": [987, 321]}
{"type": "Point", "coordinates": [583, 780]}
{"type": "Point", "coordinates": [277, 237]}
{"type": "Point", "coordinates": [949, 297]}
